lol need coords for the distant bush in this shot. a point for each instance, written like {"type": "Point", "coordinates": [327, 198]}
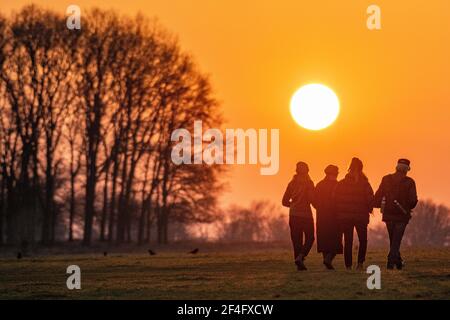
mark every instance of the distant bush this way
{"type": "Point", "coordinates": [261, 221]}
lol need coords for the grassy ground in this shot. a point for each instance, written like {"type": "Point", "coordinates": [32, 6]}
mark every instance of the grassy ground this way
{"type": "Point", "coordinates": [252, 274]}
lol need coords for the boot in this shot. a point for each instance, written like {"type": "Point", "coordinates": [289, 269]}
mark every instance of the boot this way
{"type": "Point", "coordinates": [328, 261]}
{"type": "Point", "coordinates": [300, 263]}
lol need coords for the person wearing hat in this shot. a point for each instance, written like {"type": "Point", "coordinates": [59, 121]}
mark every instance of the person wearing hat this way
{"type": "Point", "coordinates": [353, 198]}
{"type": "Point", "coordinates": [396, 197]}
{"type": "Point", "coordinates": [298, 198]}
{"type": "Point", "coordinates": [329, 239]}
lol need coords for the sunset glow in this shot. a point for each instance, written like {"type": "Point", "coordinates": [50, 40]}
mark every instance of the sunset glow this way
{"type": "Point", "coordinates": [387, 81]}
{"type": "Point", "coordinates": [211, 153]}
{"type": "Point", "coordinates": [315, 107]}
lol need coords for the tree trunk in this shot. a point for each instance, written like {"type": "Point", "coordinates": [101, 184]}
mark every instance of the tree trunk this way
{"type": "Point", "coordinates": [90, 196]}
{"type": "Point", "coordinates": [166, 226]}
{"type": "Point", "coordinates": [48, 222]}
{"type": "Point", "coordinates": [2, 208]}
{"type": "Point", "coordinates": [142, 220]}
{"type": "Point", "coordinates": [122, 219]}
{"type": "Point", "coordinates": [105, 206]}
{"type": "Point", "coordinates": [72, 204]}
{"type": "Point", "coordinates": [11, 209]}
{"type": "Point", "coordinates": [148, 238]}
{"type": "Point", "coordinates": [112, 202]}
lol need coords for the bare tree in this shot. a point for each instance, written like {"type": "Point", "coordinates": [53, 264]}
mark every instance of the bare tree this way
{"type": "Point", "coordinates": [73, 130]}
{"type": "Point", "coordinates": [23, 75]}
{"type": "Point", "coordinates": [136, 93]}
{"type": "Point", "coordinates": [93, 110]}
{"type": "Point", "coordinates": [4, 39]}
{"type": "Point", "coordinates": [188, 97]}
{"type": "Point", "coordinates": [39, 87]}
{"type": "Point", "coordinates": [97, 56]}
{"type": "Point", "coordinates": [261, 221]}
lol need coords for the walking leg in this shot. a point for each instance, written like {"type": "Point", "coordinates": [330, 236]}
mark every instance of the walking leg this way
{"type": "Point", "coordinates": [328, 260]}
{"type": "Point", "coordinates": [347, 230]}
{"type": "Point", "coordinates": [308, 229]}
{"type": "Point", "coordinates": [390, 229]}
{"type": "Point", "coordinates": [399, 231]}
{"type": "Point", "coordinates": [296, 236]}
{"type": "Point", "coordinates": [361, 230]}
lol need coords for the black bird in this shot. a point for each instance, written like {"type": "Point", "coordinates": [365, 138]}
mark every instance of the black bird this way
{"type": "Point", "coordinates": [105, 254]}
{"type": "Point", "coordinates": [195, 251]}
{"type": "Point", "coordinates": [151, 252]}
{"type": "Point", "coordinates": [19, 255]}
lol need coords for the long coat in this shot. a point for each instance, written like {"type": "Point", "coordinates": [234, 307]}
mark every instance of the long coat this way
{"type": "Point", "coordinates": [328, 236]}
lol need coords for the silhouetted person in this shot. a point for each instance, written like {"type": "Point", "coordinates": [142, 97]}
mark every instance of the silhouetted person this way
{"type": "Point", "coordinates": [354, 199]}
{"type": "Point", "coordinates": [297, 198]}
{"type": "Point", "coordinates": [329, 238]}
{"type": "Point", "coordinates": [396, 196]}
{"type": "Point", "coordinates": [195, 251]}
{"type": "Point", "coordinates": [105, 254]}
{"type": "Point", "coordinates": [151, 252]}
{"type": "Point", "coordinates": [19, 255]}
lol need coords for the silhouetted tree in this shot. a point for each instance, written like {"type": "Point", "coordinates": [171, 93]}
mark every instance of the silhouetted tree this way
{"type": "Point", "coordinates": [36, 74]}
{"type": "Point", "coordinates": [278, 228]}
{"type": "Point", "coordinates": [430, 225]}
{"type": "Point", "coordinates": [4, 140]}
{"type": "Point", "coordinates": [98, 53]}
{"type": "Point", "coordinates": [74, 141]}
{"type": "Point", "coordinates": [94, 109]}
{"type": "Point", "coordinates": [137, 94]}
{"type": "Point", "coordinates": [261, 221]}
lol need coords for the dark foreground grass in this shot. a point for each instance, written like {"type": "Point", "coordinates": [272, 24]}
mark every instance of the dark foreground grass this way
{"type": "Point", "coordinates": [245, 275]}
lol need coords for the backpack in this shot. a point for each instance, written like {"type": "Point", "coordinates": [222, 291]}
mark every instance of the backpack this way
{"type": "Point", "coordinates": [395, 195]}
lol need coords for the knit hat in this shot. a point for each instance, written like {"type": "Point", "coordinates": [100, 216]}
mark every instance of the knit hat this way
{"type": "Point", "coordinates": [332, 170]}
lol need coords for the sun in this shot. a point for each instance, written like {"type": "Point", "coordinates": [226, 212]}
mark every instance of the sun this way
{"type": "Point", "coordinates": [315, 107]}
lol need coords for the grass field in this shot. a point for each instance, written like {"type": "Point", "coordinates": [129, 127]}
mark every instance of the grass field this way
{"type": "Point", "coordinates": [248, 274]}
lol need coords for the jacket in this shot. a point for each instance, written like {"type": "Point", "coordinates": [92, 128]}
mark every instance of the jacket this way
{"type": "Point", "coordinates": [400, 194]}
{"type": "Point", "coordinates": [353, 199]}
{"type": "Point", "coordinates": [298, 196]}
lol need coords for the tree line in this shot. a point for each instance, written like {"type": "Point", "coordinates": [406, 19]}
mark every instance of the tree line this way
{"type": "Point", "coordinates": [86, 119]}
{"type": "Point", "coordinates": [263, 221]}
{"type": "Point", "coordinates": [429, 227]}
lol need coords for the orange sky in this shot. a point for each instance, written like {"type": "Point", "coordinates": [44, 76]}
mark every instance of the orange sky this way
{"type": "Point", "coordinates": [393, 84]}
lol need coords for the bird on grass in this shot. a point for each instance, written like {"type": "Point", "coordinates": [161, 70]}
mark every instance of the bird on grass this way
{"type": "Point", "coordinates": [195, 251]}
{"type": "Point", "coordinates": [151, 252]}
{"type": "Point", "coordinates": [19, 255]}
